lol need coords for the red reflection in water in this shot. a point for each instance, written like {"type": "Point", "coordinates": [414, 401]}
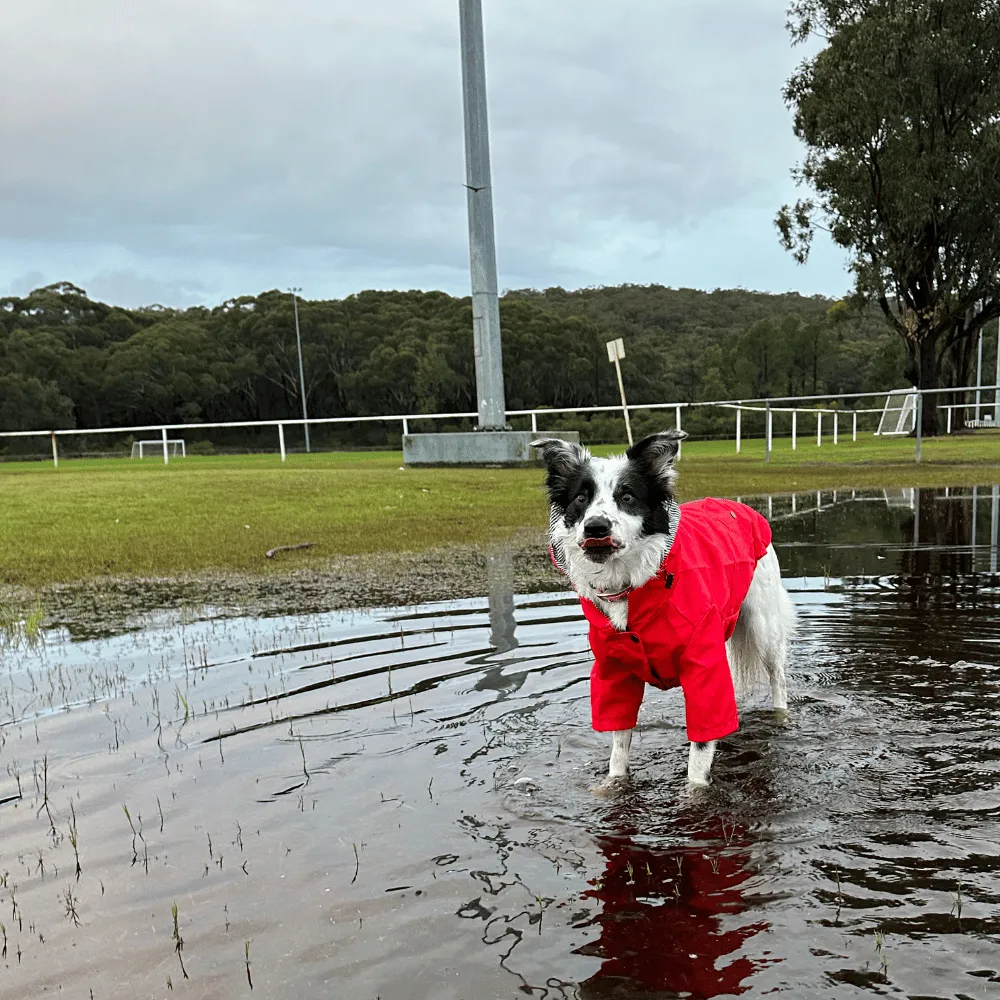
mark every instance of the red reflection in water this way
{"type": "Point", "coordinates": [661, 926]}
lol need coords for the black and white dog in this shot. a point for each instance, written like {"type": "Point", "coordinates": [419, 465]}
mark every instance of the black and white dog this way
{"type": "Point", "coordinates": [614, 523]}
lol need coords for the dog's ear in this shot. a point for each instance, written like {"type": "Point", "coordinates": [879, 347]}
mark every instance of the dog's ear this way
{"type": "Point", "coordinates": [656, 453]}
{"type": "Point", "coordinates": [561, 457]}
{"type": "Point", "coordinates": [563, 460]}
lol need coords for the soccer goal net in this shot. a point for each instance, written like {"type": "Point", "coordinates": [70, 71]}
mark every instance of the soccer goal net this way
{"type": "Point", "coordinates": [154, 449]}
{"type": "Point", "coordinates": [899, 415]}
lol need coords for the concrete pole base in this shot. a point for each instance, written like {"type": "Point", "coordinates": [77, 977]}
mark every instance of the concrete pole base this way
{"type": "Point", "coordinates": [477, 447]}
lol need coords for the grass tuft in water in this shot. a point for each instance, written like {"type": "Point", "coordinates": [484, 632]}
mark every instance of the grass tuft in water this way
{"type": "Point", "coordinates": [74, 839]}
{"type": "Point", "coordinates": [178, 940]}
{"type": "Point", "coordinates": [19, 625]}
{"type": "Point", "coordinates": [70, 902]}
{"type": "Point", "coordinates": [882, 957]}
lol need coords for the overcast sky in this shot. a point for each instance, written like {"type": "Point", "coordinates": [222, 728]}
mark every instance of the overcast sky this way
{"type": "Point", "coordinates": [185, 151]}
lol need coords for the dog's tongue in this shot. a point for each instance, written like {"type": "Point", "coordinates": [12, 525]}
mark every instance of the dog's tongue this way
{"type": "Point", "coordinates": [598, 543]}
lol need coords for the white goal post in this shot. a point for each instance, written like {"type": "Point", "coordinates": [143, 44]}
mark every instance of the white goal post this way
{"type": "Point", "coordinates": [143, 449]}
{"type": "Point", "coordinates": [899, 415]}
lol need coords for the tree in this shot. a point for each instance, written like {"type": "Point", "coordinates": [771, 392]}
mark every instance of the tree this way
{"type": "Point", "coordinates": [29, 404]}
{"type": "Point", "coordinates": [411, 352]}
{"type": "Point", "coordinates": [900, 115]}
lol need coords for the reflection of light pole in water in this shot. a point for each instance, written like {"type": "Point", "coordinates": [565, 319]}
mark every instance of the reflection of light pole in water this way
{"type": "Point", "coordinates": [500, 574]}
{"type": "Point", "coordinates": [995, 527]}
{"type": "Point", "coordinates": [975, 517]}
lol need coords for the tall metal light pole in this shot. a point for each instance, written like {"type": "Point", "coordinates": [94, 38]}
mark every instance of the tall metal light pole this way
{"type": "Point", "coordinates": [302, 377]}
{"type": "Point", "coordinates": [979, 373]}
{"type": "Point", "coordinates": [490, 402]}
{"type": "Point", "coordinates": [996, 381]}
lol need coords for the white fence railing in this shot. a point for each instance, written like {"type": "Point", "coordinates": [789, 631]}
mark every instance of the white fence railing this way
{"type": "Point", "coordinates": [768, 406]}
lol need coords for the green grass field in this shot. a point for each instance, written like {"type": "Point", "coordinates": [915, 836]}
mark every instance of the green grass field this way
{"type": "Point", "coordinates": [90, 518]}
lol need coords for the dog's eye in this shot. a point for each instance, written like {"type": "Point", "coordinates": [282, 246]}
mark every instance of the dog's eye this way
{"type": "Point", "coordinates": [627, 498]}
{"type": "Point", "coordinates": [581, 498]}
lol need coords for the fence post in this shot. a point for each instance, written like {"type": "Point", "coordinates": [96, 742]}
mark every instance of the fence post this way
{"type": "Point", "coordinates": [739, 420]}
{"type": "Point", "coordinates": [854, 428]}
{"type": "Point", "coordinates": [55, 451]}
{"type": "Point", "coordinates": [677, 424]}
{"type": "Point", "coordinates": [819, 428]}
{"type": "Point", "coordinates": [920, 422]}
{"type": "Point", "coordinates": [793, 503]}
{"type": "Point", "coordinates": [406, 427]}
{"type": "Point", "coordinates": [767, 441]}
{"type": "Point", "coordinates": [949, 419]}
{"type": "Point", "coordinates": [534, 422]}
{"type": "Point", "coordinates": [281, 440]}
{"type": "Point", "coordinates": [836, 421]}
{"type": "Point", "coordinates": [795, 414]}
{"type": "Point", "coordinates": [165, 458]}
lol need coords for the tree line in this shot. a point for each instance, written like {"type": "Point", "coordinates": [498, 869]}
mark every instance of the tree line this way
{"type": "Point", "coordinates": [899, 114]}
{"type": "Point", "coordinates": [67, 361]}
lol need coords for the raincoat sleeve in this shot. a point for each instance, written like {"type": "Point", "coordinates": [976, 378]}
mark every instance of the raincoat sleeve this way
{"type": "Point", "coordinates": [709, 698]}
{"type": "Point", "coordinates": [615, 697]}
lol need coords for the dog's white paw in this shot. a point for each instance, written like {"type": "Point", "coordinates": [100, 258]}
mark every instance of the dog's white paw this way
{"type": "Point", "coordinates": [694, 791]}
{"type": "Point", "coordinates": [609, 786]}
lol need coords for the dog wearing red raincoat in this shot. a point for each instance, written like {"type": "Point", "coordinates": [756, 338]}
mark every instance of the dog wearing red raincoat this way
{"type": "Point", "coordinates": [686, 595]}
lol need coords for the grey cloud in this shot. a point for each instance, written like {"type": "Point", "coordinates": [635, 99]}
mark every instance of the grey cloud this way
{"type": "Point", "coordinates": [130, 288]}
{"type": "Point", "coordinates": [255, 138]}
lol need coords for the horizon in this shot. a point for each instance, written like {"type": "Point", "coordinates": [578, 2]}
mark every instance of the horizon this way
{"type": "Point", "coordinates": [60, 287]}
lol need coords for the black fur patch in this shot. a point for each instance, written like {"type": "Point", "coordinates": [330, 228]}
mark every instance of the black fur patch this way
{"type": "Point", "coordinates": [649, 493]}
{"type": "Point", "coordinates": [569, 479]}
{"type": "Point", "coordinates": [572, 492]}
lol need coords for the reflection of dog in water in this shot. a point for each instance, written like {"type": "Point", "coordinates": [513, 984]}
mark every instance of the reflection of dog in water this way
{"type": "Point", "coordinates": [661, 926]}
{"type": "Point", "coordinates": [676, 595]}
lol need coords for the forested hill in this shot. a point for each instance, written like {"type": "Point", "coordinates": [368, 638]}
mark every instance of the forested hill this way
{"type": "Point", "coordinates": [68, 361]}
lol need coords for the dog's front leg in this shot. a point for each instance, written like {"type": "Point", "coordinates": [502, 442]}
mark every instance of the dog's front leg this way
{"type": "Point", "coordinates": [621, 740]}
{"type": "Point", "coordinates": [700, 762]}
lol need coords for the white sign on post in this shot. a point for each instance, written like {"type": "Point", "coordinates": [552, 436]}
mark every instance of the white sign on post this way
{"type": "Point", "coordinates": [616, 351]}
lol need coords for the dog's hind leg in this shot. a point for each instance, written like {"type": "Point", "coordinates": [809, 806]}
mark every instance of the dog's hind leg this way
{"type": "Point", "coordinates": [759, 645]}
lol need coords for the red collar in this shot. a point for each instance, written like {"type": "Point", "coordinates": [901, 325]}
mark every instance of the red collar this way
{"type": "Point", "coordinates": [620, 596]}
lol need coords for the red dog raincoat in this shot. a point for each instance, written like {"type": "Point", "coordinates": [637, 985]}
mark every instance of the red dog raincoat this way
{"type": "Point", "coordinates": [679, 622]}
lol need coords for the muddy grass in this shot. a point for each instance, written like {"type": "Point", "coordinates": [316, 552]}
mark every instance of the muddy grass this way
{"type": "Point", "coordinates": [88, 520]}
{"type": "Point", "coordinates": [108, 604]}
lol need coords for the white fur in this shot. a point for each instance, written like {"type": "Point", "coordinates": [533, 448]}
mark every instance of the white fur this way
{"type": "Point", "coordinates": [758, 648]}
{"type": "Point", "coordinates": [700, 762]}
{"type": "Point", "coordinates": [621, 740]}
{"type": "Point", "coordinates": [635, 562]}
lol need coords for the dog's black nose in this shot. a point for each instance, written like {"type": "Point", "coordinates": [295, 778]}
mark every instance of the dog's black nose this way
{"type": "Point", "coordinates": [596, 527]}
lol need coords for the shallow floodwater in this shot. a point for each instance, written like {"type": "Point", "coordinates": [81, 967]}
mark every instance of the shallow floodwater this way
{"type": "Point", "coordinates": [397, 804]}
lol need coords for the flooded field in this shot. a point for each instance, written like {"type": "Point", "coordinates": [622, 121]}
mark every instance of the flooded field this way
{"type": "Point", "coordinates": [397, 803]}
